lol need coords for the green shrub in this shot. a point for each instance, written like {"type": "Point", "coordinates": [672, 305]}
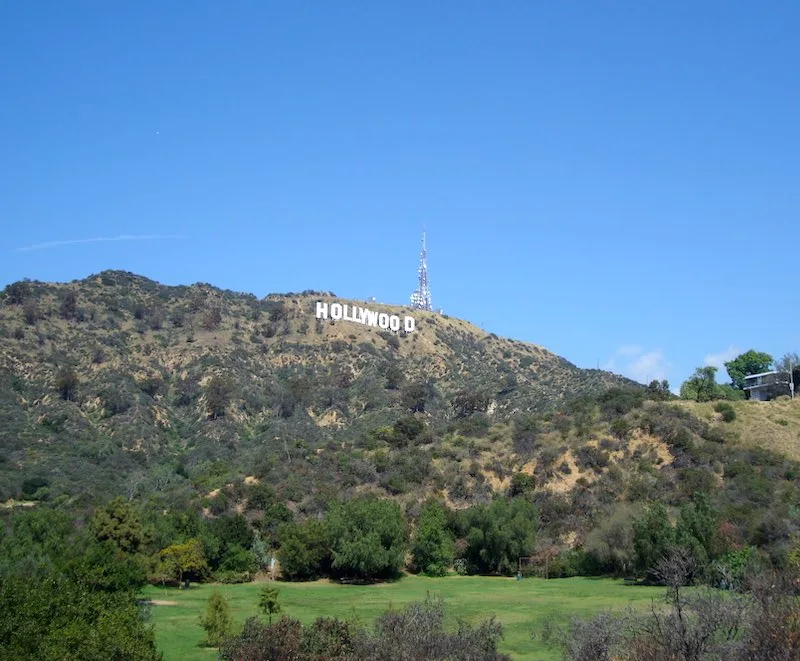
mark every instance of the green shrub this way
{"type": "Point", "coordinates": [726, 410]}
{"type": "Point", "coordinates": [232, 577]}
{"type": "Point", "coordinates": [217, 620]}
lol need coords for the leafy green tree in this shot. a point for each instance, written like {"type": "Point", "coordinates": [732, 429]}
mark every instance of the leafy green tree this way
{"type": "Point", "coordinates": [187, 560]}
{"type": "Point", "coordinates": [368, 538]}
{"type": "Point", "coordinates": [36, 538]}
{"type": "Point", "coordinates": [658, 390]}
{"type": "Point", "coordinates": [433, 546]}
{"type": "Point", "coordinates": [305, 550]}
{"type": "Point", "coordinates": [60, 617]}
{"type": "Point", "coordinates": [702, 385]}
{"type": "Point", "coordinates": [104, 566]}
{"type": "Point", "coordinates": [653, 536]}
{"type": "Point", "coordinates": [750, 362]}
{"type": "Point", "coordinates": [696, 529]}
{"type": "Point", "coordinates": [498, 534]}
{"type": "Point", "coordinates": [237, 559]}
{"type": "Point", "coordinates": [268, 601]}
{"type": "Point", "coordinates": [727, 391]}
{"type": "Point", "coordinates": [119, 522]}
{"type": "Point", "coordinates": [217, 621]}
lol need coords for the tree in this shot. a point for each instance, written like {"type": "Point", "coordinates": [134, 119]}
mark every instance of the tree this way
{"type": "Point", "coordinates": [118, 521]}
{"type": "Point", "coordinates": [67, 383]}
{"type": "Point", "coordinates": [368, 538]}
{"type": "Point", "coordinates": [611, 544]}
{"type": "Point", "coordinates": [790, 362]}
{"type": "Point", "coordinates": [17, 292]}
{"type": "Point", "coordinates": [696, 529]}
{"type": "Point", "coordinates": [750, 362]}
{"type": "Point", "coordinates": [653, 536]}
{"type": "Point", "coordinates": [103, 566]}
{"type": "Point", "coordinates": [498, 534]}
{"type": "Point", "coordinates": [433, 546]}
{"type": "Point", "coordinates": [268, 601]}
{"type": "Point", "coordinates": [470, 400]}
{"type": "Point", "coordinates": [414, 396]}
{"type": "Point", "coordinates": [702, 385]}
{"type": "Point", "coordinates": [658, 390]}
{"type": "Point", "coordinates": [408, 428]}
{"type": "Point", "coordinates": [700, 625]}
{"type": "Point", "coordinates": [69, 305]}
{"type": "Point", "coordinates": [305, 550]}
{"type": "Point", "coordinates": [218, 396]}
{"type": "Point", "coordinates": [216, 620]}
{"type": "Point", "coordinates": [187, 560]}
{"type": "Point", "coordinates": [58, 616]}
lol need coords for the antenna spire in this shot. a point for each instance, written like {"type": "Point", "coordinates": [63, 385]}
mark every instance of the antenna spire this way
{"type": "Point", "coordinates": [421, 298]}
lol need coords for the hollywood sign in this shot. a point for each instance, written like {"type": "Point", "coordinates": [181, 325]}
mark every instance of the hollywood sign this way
{"type": "Point", "coordinates": [359, 315]}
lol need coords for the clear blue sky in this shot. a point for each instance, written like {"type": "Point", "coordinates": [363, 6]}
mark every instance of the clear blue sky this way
{"type": "Point", "coordinates": [616, 181]}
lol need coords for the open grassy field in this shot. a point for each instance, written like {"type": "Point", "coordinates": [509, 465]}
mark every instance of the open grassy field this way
{"type": "Point", "coordinates": [521, 606]}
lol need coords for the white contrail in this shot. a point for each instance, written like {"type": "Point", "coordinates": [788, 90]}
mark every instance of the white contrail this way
{"type": "Point", "coordinates": [98, 239]}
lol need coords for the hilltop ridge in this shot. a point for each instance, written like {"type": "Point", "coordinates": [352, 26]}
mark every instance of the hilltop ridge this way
{"type": "Point", "coordinates": [134, 370]}
{"type": "Point", "coordinates": [193, 397]}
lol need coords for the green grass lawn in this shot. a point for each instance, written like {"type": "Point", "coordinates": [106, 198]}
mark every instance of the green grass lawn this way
{"type": "Point", "coordinates": [521, 606]}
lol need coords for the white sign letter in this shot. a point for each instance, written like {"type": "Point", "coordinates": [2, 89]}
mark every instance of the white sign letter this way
{"type": "Point", "coordinates": [336, 311]}
{"type": "Point", "coordinates": [394, 323]}
{"type": "Point", "coordinates": [410, 324]}
{"type": "Point", "coordinates": [322, 310]}
{"type": "Point", "coordinates": [383, 320]}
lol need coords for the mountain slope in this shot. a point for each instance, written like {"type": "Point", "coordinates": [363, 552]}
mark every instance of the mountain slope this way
{"type": "Point", "coordinates": [106, 376]}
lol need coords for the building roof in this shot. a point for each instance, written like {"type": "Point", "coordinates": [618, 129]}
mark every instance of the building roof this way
{"type": "Point", "coordinates": [753, 376]}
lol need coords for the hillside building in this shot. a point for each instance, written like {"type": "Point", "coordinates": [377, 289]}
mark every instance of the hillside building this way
{"type": "Point", "coordinates": [767, 385]}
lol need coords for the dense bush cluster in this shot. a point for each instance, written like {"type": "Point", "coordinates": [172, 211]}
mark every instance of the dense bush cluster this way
{"type": "Point", "coordinates": [67, 593]}
{"type": "Point", "coordinates": [757, 620]}
{"type": "Point", "coordinates": [417, 633]}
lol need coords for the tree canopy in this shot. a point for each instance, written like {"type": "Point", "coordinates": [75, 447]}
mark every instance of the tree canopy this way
{"type": "Point", "coordinates": [368, 538]}
{"type": "Point", "coordinates": [745, 364]}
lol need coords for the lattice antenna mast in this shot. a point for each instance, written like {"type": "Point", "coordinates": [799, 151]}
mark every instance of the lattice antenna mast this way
{"type": "Point", "coordinates": [421, 298]}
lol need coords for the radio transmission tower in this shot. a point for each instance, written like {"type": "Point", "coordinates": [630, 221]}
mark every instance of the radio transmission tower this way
{"type": "Point", "coordinates": [421, 298]}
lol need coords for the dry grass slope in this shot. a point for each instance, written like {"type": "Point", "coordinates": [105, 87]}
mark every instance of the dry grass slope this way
{"type": "Point", "coordinates": [772, 425]}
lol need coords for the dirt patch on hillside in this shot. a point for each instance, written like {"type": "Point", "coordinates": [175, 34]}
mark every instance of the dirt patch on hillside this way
{"type": "Point", "coordinates": [645, 441]}
{"type": "Point", "coordinates": [162, 602]}
{"type": "Point", "coordinates": [564, 482]}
